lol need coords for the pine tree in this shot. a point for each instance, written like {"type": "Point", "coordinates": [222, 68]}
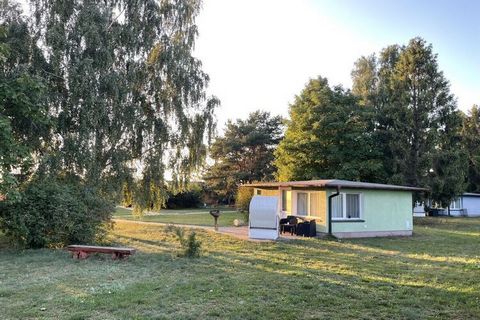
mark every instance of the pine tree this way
{"type": "Point", "coordinates": [471, 143]}
{"type": "Point", "coordinates": [416, 119]}
{"type": "Point", "coordinates": [244, 153]}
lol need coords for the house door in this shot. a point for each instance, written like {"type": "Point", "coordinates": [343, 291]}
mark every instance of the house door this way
{"type": "Point", "coordinates": [302, 203]}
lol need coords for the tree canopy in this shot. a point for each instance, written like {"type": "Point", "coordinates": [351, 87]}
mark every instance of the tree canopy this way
{"type": "Point", "coordinates": [471, 143]}
{"type": "Point", "coordinates": [328, 135]}
{"type": "Point", "coordinates": [24, 120]}
{"type": "Point", "coordinates": [244, 153]}
{"type": "Point", "coordinates": [96, 96]}
{"type": "Point", "coordinates": [127, 96]}
{"type": "Point", "coordinates": [400, 124]}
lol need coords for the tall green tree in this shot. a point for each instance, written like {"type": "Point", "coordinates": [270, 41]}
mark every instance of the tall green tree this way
{"type": "Point", "coordinates": [471, 143]}
{"type": "Point", "coordinates": [24, 120]}
{"type": "Point", "coordinates": [128, 96]}
{"type": "Point", "coordinates": [416, 118]}
{"type": "Point", "coordinates": [244, 153]}
{"type": "Point", "coordinates": [328, 136]}
{"type": "Point", "coordinates": [448, 176]}
{"type": "Point", "coordinates": [365, 77]}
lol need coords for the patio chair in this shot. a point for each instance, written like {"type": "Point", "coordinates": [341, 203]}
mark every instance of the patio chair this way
{"type": "Point", "coordinates": [289, 225]}
{"type": "Point", "coordinates": [307, 228]}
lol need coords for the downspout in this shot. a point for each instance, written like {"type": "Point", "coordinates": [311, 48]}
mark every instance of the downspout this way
{"type": "Point", "coordinates": [330, 210]}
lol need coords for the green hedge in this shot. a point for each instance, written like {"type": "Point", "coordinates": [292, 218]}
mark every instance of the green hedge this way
{"type": "Point", "coordinates": [54, 214]}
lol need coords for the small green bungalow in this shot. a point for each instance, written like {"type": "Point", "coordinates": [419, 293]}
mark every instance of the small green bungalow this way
{"type": "Point", "coordinates": [345, 209]}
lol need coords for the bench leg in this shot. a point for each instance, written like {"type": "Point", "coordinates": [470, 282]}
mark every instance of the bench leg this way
{"type": "Point", "coordinates": [79, 255]}
{"type": "Point", "coordinates": [119, 256]}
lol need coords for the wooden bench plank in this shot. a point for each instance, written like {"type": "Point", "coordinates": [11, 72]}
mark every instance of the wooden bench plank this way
{"type": "Point", "coordinates": [82, 251]}
{"type": "Point", "coordinates": [101, 249]}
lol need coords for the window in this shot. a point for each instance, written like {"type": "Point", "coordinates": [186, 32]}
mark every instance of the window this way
{"type": "Point", "coordinates": [315, 205]}
{"type": "Point", "coordinates": [286, 201]}
{"type": "Point", "coordinates": [308, 204]}
{"type": "Point", "coordinates": [302, 203]}
{"type": "Point", "coordinates": [346, 206]}
{"type": "Point", "coordinates": [259, 192]}
{"type": "Point", "coordinates": [337, 206]}
{"type": "Point", "coordinates": [456, 204]}
{"type": "Point", "coordinates": [352, 208]}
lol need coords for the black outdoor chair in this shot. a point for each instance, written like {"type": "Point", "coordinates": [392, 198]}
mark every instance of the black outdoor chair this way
{"type": "Point", "coordinates": [307, 228]}
{"type": "Point", "coordinates": [289, 225]}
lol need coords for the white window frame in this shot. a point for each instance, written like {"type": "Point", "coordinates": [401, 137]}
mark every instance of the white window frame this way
{"type": "Point", "coordinates": [308, 203]}
{"type": "Point", "coordinates": [344, 207]}
{"type": "Point", "coordinates": [282, 199]}
{"type": "Point", "coordinates": [460, 203]}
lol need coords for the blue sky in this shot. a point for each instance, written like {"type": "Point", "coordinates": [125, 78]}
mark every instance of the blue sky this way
{"type": "Point", "coordinates": [453, 27]}
{"type": "Point", "coordinates": [260, 53]}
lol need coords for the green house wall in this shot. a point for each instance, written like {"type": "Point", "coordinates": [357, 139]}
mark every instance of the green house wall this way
{"type": "Point", "coordinates": [382, 211]}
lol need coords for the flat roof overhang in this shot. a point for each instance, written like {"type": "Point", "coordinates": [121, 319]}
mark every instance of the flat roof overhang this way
{"type": "Point", "coordinates": [310, 184]}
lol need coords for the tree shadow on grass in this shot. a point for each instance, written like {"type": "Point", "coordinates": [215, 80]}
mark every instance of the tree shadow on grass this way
{"type": "Point", "coordinates": [390, 286]}
{"type": "Point", "coordinates": [304, 278]}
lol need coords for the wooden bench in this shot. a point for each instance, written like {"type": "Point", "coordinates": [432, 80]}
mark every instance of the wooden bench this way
{"type": "Point", "coordinates": [82, 252]}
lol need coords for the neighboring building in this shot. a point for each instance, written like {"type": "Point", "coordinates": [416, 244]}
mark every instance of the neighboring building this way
{"type": "Point", "coordinates": [419, 209]}
{"type": "Point", "coordinates": [467, 205]}
{"type": "Point", "coordinates": [360, 210]}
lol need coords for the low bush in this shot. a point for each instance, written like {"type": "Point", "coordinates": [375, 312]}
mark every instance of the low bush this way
{"type": "Point", "coordinates": [242, 201]}
{"type": "Point", "coordinates": [54, 214]}
{"type": "Point", "coordinates": [191, 247]}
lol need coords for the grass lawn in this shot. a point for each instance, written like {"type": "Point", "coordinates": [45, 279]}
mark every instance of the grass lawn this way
{"type": "Point", "coordinates": [433, 275]}
{"type": "Point", "coordinates": [199, 217]}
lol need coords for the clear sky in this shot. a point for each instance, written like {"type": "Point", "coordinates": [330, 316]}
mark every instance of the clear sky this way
{"type": "Point", "coordinates": [260, 53]}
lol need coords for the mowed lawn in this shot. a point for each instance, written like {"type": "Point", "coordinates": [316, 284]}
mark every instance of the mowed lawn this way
{"type": "Point", "coordinates": [200, 217]}
{"type": "Point", "coordinates": [433, 275]}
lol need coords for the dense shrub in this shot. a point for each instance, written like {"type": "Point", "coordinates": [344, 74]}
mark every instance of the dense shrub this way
{"type": "Point", "coordinates": [186, 199]}
{"type": "Point", "coordinates": [243, 198]}
{"type": "Point", "coordinates": [54, 214]}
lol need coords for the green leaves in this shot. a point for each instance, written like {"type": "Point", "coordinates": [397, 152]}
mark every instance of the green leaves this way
{"type": "Point", "coordinates": [24, 120]}
{"type": "Point", "coordinates": [416, 120]}
{"type": "Point", "coordinates": [398, 125]}
{"type": "Point", "coordinates": [130, 96]}
{"type": "Point", "coordinates": [471, 143]}
{"type": "Point", "coordinates": [328, 136]}
{"type": "Point", "coordinates": [54, 214]}
{"type": "Point", "coordinates": [244, 154]}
